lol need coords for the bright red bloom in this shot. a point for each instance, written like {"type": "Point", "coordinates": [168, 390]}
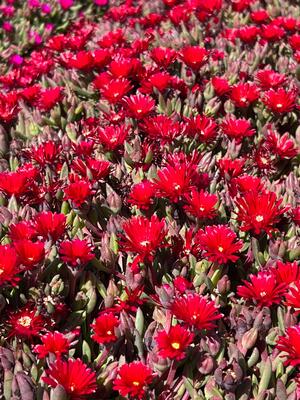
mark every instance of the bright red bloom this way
{"type": "Point", "coordinates": [78, 192]}
{"type": "Point", "coordinates": [9, 265]}
{"type": "Point", "coordinates": [46, 153]}
{"type": "Point", "coordinates": [133, 379]}
{"type": "Point", "coordinates": [221, 85]}
{"type": "Point", "coordinates": [174, 181]}
{"type": "Point", "coordinates": [231, 168]}
{"type": "Point", "coordinates": [219, 244]}
{"type": "Point", "coordinates": [26, 323]}
{"type": "Point", "coordinates": [142, 194]}
{"type": "Point", "coordinates": [121, 67]}
{"type": "Point", "coordinates": [143, 236]}
{"type": "Point", "coordinates": [292, 296]}
{"type": "Point", "coordinates": [76, 252]}
{"type": "Point", "coordinates": [8, 107]}
{"type": "Point", "coordinates": [202, 127]}
{"type": "Point", "coordinates": [259, 212]}
{"type": "Point", "coordinates": [74, 376]}
{"type": "Point", "coordinates": [163, 57]}
{"type": "Point", "coordinates": [115, 90]}
{"type": "Point", "coordinates": [284, 146]}
{"type": "Point", "coordinates": [272, 32]}
{"type": "Point", "coordinates": [294, 41]}
{"type": "Point", "coordinates": [21, 230]}
{"type": "Point", "coordinates": [201, 204]}
{"type": "Point", "coordinates": [113, 136]}
{"type": "Point", "coordinates": [104, 328]}
{"type": "Point", "coordinates": [196, 310]}
{"type": "Point", "coordinates": [172, 344]}
{"type": "Point", "coordinates": [259, 16]}
{"type": "Point", "coordinates": [244, 94]}
{"type": "Point", "coordinates": [280, 101]}
{"type": "Point", "coordinates": [90, 168]}
{"type": "Point", "coordinates": [245, 183]}
{"type": "Point", "coordinates": [237, 129]}
{"type": "Point", "coordinates": [263, 289]}
{"type": "Point", "coordinates": [53, 342]}
{"type": "Point", "coordinates": [48, 224]}
{"type": "Point", "coordinates": [139, 106]}
{"type": "Point", "coordinates": [295, 215]}
{"type": "Point", "coordinates": [161, 128]}
{"type": "Point", "coordinates": [49, 98]}
{"type": "Point", "coordinates": [289, 343]}
{"type": "Point", "coordinates": [14, 183]}
{"type": "Point", "coordinates": [30, 253]}
{"type": "Point", "coordinates": [248, 34]}
{"type": "Point", "coordinates": [287, 272]}
{"type": "Point", "coordinates": [269, 79]}
{"type": "Point", "coordinates": [159, 81]}
{"type": "Point", "coordinates": [194, 56]}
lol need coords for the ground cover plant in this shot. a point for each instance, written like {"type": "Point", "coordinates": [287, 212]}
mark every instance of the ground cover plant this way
{"type": "Point", "coordinates": [149, 199]}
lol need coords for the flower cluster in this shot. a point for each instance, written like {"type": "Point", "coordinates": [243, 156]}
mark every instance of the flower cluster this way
{"type": "Point", "coordinates": [149, 199]}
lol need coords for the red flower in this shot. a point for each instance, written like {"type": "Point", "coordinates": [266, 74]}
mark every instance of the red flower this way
{"type": "Point", "coordinates": [201, 204]}
{"type": "Point", "coordinates": [26, 323]}
{"type": "Point", "coordinates": [272, 32]}
{"type": "Point", "coordinates": [143, 236]}
{"type": "Point", "coordinates": [74, 376]}
{"type": "Point", "coordinates": [292, 297]}
{"type": "Point", "coordinates": [49, 98]}
{"type": "Point", "coordinates": [294, 41]}
{"type": "Point", "coordinates": [219, 244]}
{"type": "Point", "coordinates": [244, 94]}
{"type": "Point", "coordinates": [267, 79]}
{"type": "Point", "coordinates": [76, 252]}
{"type": "Point", "coordinates": [196, 310]}
{"type": "Point", "coordinates": [237, 129]}
{"type": "Point", "coordinates": [46, 153]}
{"type": "Point", "coordinates": [163, 57]}
{"type": "Point", "coordinates": [245, 183]}
{"type": "Point", "coordinates": [112, 137]}
{"type": "Point", "coordinates": [30, 253]}
{"type": "Point", "coordinates": [8, 107]}
{"type": "Point", "coordinates": [48, 224]}
{"type": "Point", "coordinates": [162, 128]}
{"type": "Point", "coordinates": [121, 67]}
{"type": "Point", "coordinates": [139, 106]}
{"type": "Point", "coordinates": [174, 181]}
{"type": "Point", "coordinates": [133, 378]}
{"type": "Point", "coordinates": [248, 34]}
{"type": "Point", "coordinates": [202, 127]}
{"type": "Point", "coordinates": [21, 230]}
{"type": "Point", "coordinates": [96, 170]}
{"type": "Point", "coordinates": [290, 344]}
{"type": "Point", "coordinates": [115, 90]}
{"type": "Point", "coordinates": [53, 342]}
{"type": "Point", "coordinates": [78, 192]}
{"type": "Point", "coordinates": [259, 16]}
{"type": "Point", "coordinates": [14, 183]}
{"type": "Point", "coordinates": [142, 194]}
{"type": "Point", "coordinates": [172, 344]}
{"type": "Point", "coordinates": [194, 56]}
{"type": "Point", "coordinates": [221, 85]}
{"type": "Point", "coordinates": [259, 211]}
{"type": "Point", "coordinates": [284, 146]}
{"type": "Point", "coordinates": [263, 289]}
{"type": "Point", "coordinates": [104, 328]}
{"type": "Point", "coordinates": [287, 272]}
{"type": "Point", "coordinates": [295, 215]}
{"type": "Point", "coordinates": [9, 265]}
{"type": "Point", "coordinates": [159, 81]}
{"type": "Point", "coordinates": [231, 168]}
{"type": "Point", "coordinates": [280, 101]}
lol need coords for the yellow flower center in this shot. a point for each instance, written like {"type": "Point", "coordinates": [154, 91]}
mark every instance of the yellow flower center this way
{"type": "Point", "coordinates": [1, 271]}
{"type": "Point", "coordinates": [220, 248]}
{"type": "Point", "coordinates": [109, 332]}
{"type": "Point", "coordinates": [135, 383]}
{"type": "Point", "coordinates": [175, 345]}
{"type": "Point", "coordinates": [24, 321]}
